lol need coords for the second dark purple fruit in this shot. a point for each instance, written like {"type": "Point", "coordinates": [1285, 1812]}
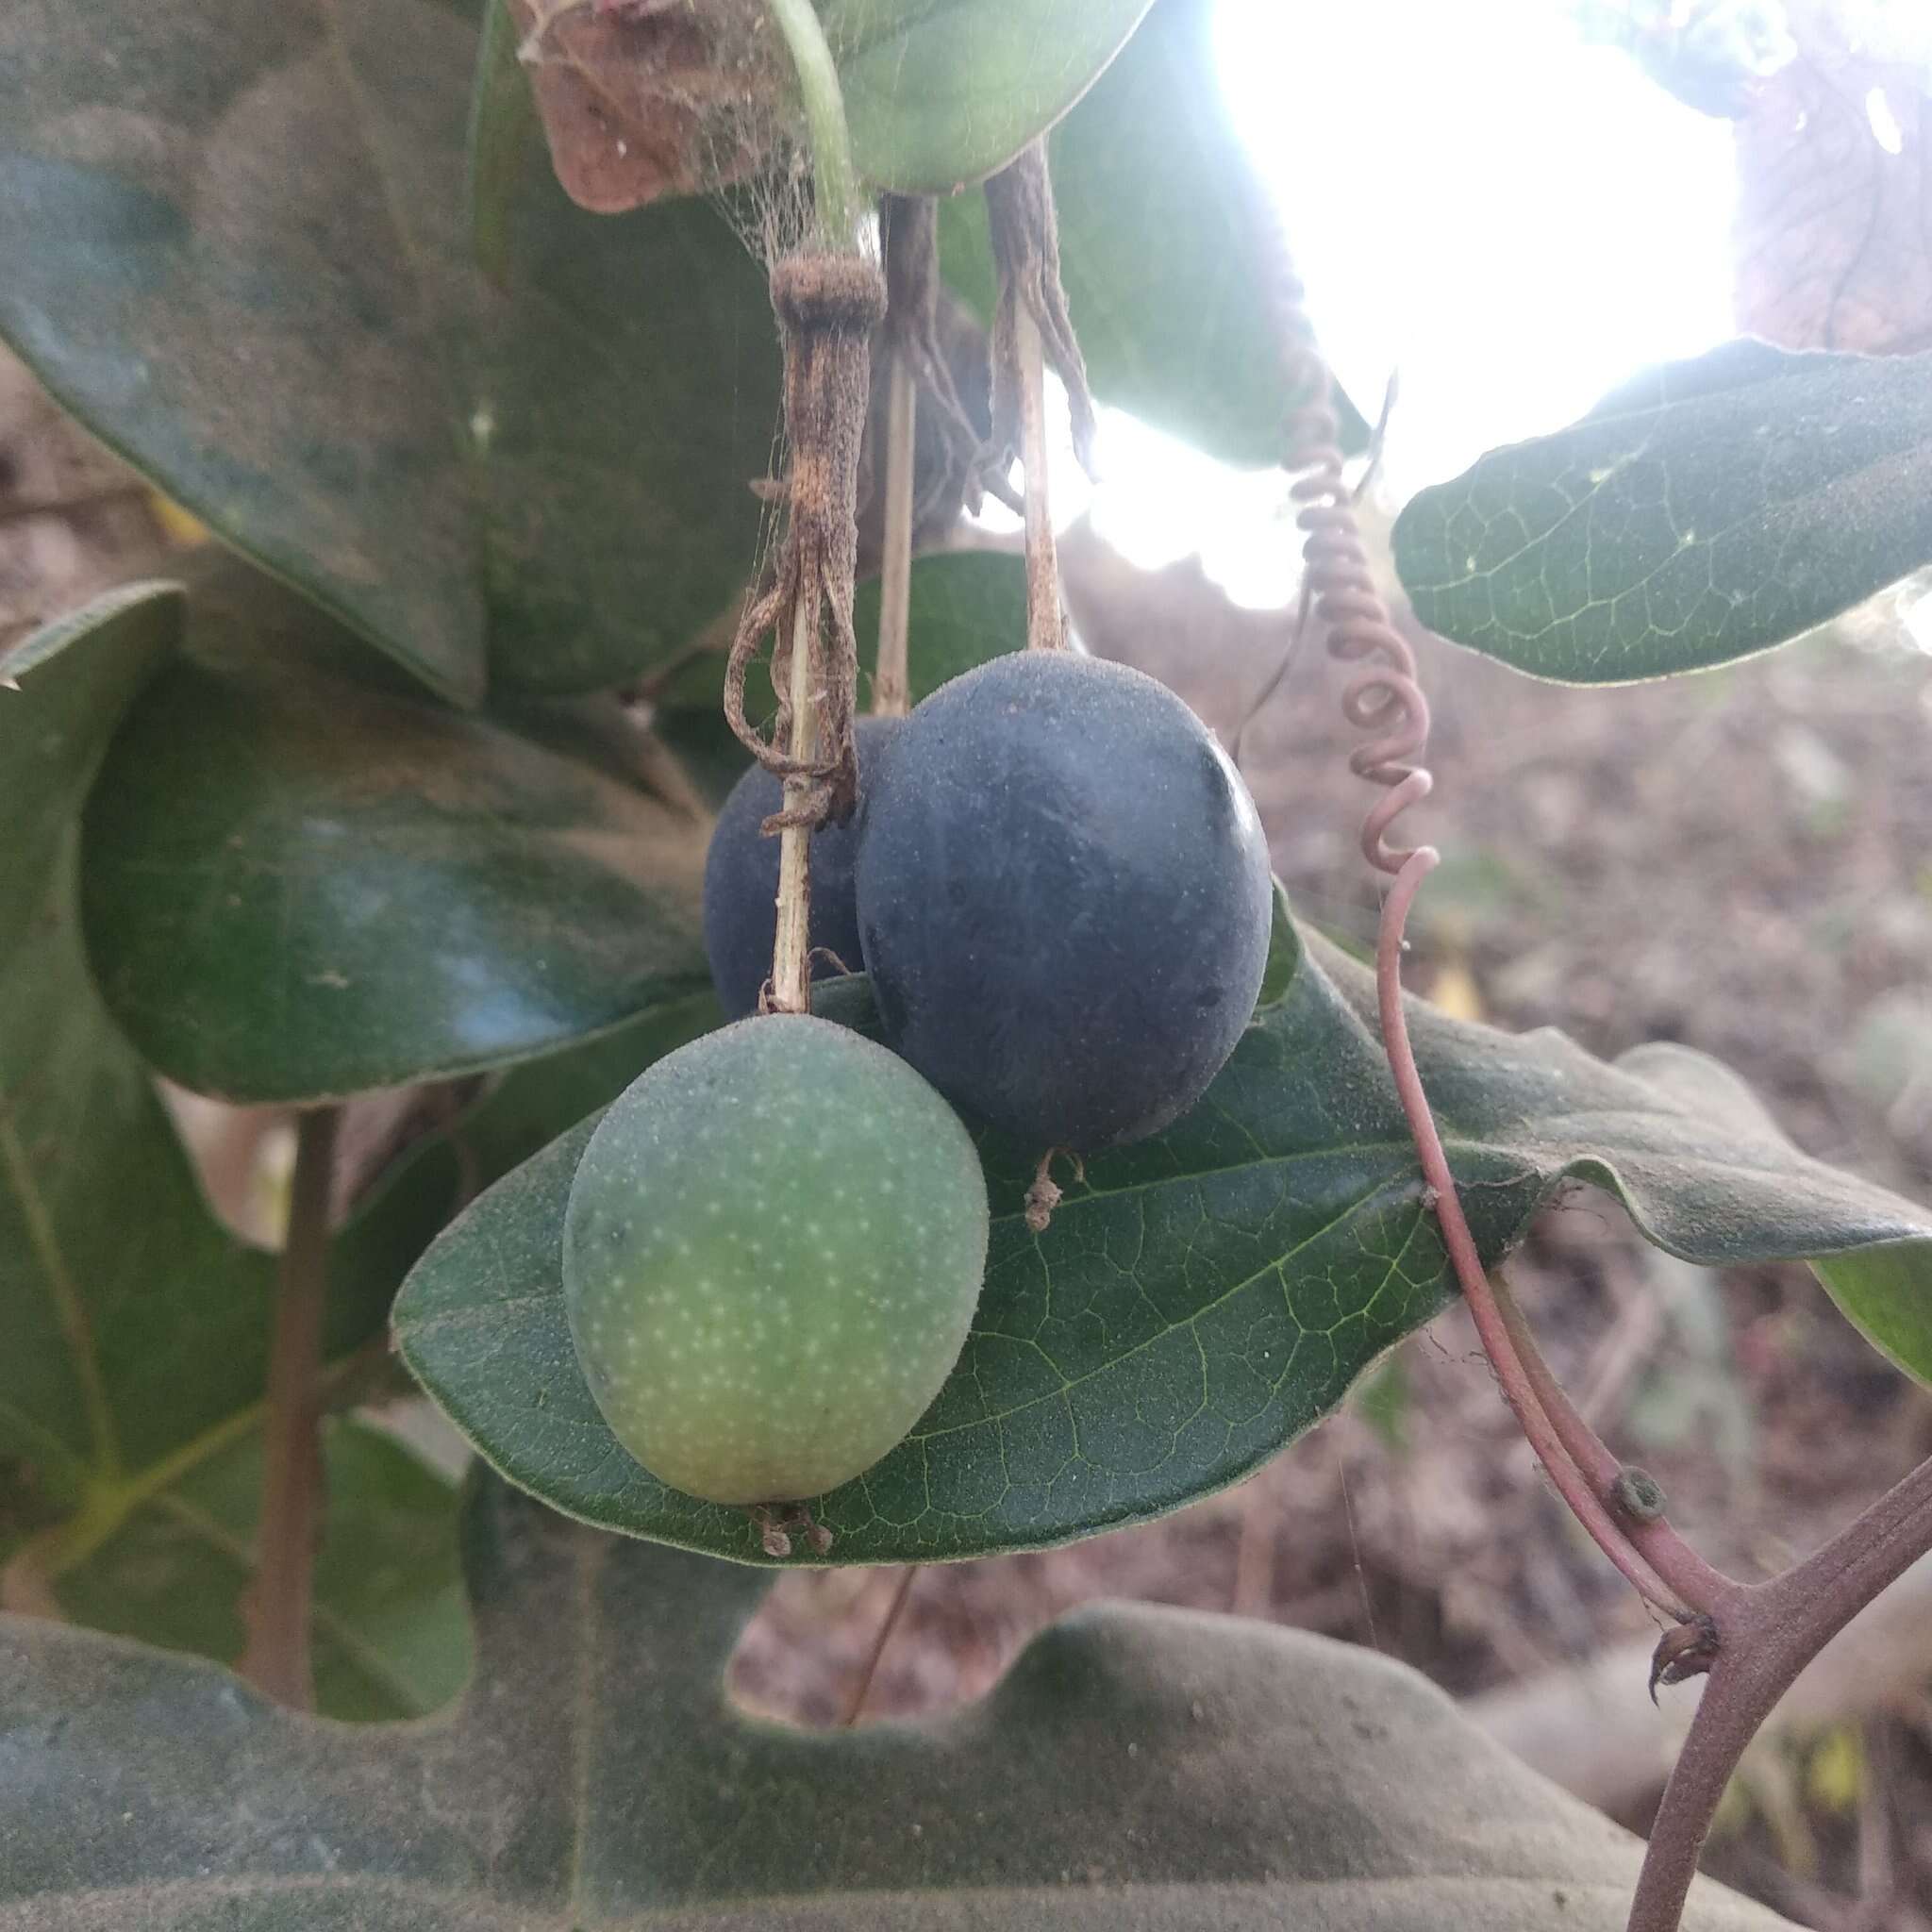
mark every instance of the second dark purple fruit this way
{"type": "Point", "coordinates": [1064, 899]}
{"type": "Point", "coordinates": [742, 881]}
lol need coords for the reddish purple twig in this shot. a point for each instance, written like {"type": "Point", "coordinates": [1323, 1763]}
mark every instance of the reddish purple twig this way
{"type": "Point", "coordinates": [1752, 1638]}
{"type": "Point", "coordinates": [1384, 697]}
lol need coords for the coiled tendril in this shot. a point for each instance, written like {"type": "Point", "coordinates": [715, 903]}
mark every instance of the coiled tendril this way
{"type": "Point", "coordinates": [1383, 696]}
{"type": "Point", "coordinates": [1338, 584]}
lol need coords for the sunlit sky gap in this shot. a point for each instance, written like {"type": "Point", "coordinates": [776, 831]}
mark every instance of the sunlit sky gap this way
{"type": "Point", "coordinates": [1512, 217]}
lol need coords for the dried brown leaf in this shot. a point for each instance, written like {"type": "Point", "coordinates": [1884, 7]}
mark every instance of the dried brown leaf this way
{"type": "Point", "coordinates": [642, 99]}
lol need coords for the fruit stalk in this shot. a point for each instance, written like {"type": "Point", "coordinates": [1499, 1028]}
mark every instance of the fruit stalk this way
{"type": "Point", "coordinates": [276, 1657]}
{"type": "Point", "coordinates": [845, 217]}
{"type": "Point", "coordinates": [1045, 627]}
{"type": "Point", "coordinates": [892, 691]}
{"type": "Point", "coordinates": [792, 945]}
{"type": "Point", "coordinates": [1696, 1583]}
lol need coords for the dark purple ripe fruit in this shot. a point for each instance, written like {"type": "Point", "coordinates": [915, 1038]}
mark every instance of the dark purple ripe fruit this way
{"type": "Point", "coordinates": [1064, 899]}
{"type": "Point", "coordinates": [742, 881]}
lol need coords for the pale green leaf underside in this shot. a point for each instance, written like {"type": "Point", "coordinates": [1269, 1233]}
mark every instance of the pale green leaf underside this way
{"type": "Point", "coordinates": [1707, 511]}
{"type": "Point", "coordinates": [941, 92]}
{"type": "Point", "coordinates": [1206, 1297]}
{"type": "Point", "coordinates": [1138, 1769]}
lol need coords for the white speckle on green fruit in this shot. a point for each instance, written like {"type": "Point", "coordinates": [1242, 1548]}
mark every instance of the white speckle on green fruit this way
{"type": "Point", "coordinates": [746, 1343]}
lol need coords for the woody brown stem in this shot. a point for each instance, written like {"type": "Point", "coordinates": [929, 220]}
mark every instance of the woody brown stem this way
{"type": "Point", "coordinates": [828, 301]}
{"type": "Point", "coordinates": [276, 1658]}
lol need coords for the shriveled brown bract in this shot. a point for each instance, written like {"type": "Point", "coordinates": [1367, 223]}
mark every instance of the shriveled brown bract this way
{"type": "Point", "coordinates": [642, 99]}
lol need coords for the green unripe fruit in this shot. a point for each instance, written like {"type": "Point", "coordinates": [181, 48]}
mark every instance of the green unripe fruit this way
{"type": "Point", "coordinates": [775, 1243]}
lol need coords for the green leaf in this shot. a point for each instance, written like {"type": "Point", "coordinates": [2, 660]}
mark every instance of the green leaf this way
{"type": "Point", "coordinates": [1884, 1293]}
{"type": "Point", "coordinates": [965, 607]}
{"type": "Point", "coordinates": [1705, 511]}
{"type": "Point", "coordinates": [391, 1634]}
{"type": "Point", "coordinates": [706, 749]}
{"type": "Point", "coordinates": [626, 401]}
{"type": "Point", "coordinates": [1886, 1290]}
{"type": "Point", "coordinates": [941, 92]}
{"type": "Point", "coordinates": [239, 251]}
{"type": "Point", "coordinates": [1206, 1297]}
{"type": "Point", "coordinates": [57, 714]}
{"type": "Point", "coordinates": [299, 883]}
{"type": "Point", "coordinates": [1138, 1767]}
{"type": "Point", "coordinates": [137, 1329]}
{"type": "Point", "coordinates": [1163, 247]}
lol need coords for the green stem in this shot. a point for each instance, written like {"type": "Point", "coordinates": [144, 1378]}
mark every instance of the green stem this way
{"type": "Point", "coordinates": [844, 215]}
{"type": "Point", "coordinates": [791, 940]}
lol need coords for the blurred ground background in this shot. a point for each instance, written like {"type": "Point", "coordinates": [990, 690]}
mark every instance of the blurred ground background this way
{"type": "Point", "coordinates": [1741, 861]}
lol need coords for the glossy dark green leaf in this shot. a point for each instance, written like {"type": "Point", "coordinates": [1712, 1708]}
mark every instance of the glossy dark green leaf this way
{"type": "Point", "coordinates": [1707, 511]}
{"type": "Point", "coordinates": [1164, 247]}
{"type": "Point", "coordinates": [297, 883]}
{"type": "Point", "coordinates": [1138, 1767]}
{"type": "Point", "coordinates": [965, 607]}
{"type": "Point", "coordinates": [136, 1328]}
{"type": "Point", "coordinates": [1203, 1299]}
{"type": "Point", "coordinates": [390, 1629]}
{"type": "Point", "coordinates": [239, 250]}
{"type": "Point", "coordinates": [941, 92]}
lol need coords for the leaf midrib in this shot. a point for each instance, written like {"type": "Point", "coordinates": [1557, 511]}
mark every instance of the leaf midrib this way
{"type": "Point", "coordinates": [69, 1309]}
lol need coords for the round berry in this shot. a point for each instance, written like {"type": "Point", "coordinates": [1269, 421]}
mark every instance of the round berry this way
{"type": "Point", "coordinates": [742, 881]}
{"type": "Point", "coordinates": [771, 1256]}
{"type": "Point", "coordinates": [1064, 899]}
